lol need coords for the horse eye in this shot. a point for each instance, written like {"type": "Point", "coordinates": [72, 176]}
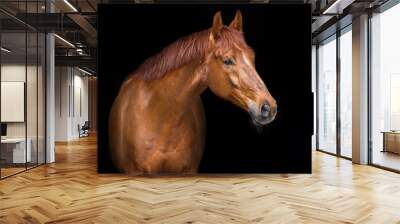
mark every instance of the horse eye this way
{"type": "Point", "coordinates": [228, 61]}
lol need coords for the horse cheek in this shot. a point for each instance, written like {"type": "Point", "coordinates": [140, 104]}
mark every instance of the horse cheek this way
{"type": "Point", "coordinates": [220, 85]}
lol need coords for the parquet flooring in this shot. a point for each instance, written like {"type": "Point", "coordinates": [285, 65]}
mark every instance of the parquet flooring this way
{"type": "Point", "coordinates": [10, 171]}
{"type": "Point", "coordinates": [71, 191]}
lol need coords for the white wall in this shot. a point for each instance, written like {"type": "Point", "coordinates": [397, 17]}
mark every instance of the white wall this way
{"type": "Point", "coordinates": [80, 102]}
{"type": "Point", "coordinates": [10, 73]}
{"type": "Point", "coordinates": [71, 102]}
{"type": "Point", "coordinates": [62, 81]}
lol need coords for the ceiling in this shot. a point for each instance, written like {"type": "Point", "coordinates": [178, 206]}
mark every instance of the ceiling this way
{"type": "Point", "coordinates": [16, 42]}
{"type": "Point", "coordinates": [72, 20]}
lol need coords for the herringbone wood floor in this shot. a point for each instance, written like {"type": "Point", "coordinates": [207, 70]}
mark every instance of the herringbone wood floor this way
{"type": "Point", "coordinates": [70, 191]}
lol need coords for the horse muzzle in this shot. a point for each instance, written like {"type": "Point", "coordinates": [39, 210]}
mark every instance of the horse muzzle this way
{"type": "Point", "coordinates": [264, 114]}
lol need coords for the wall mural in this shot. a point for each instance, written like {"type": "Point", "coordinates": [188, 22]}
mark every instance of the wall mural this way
{"type": "Point", "coordinates": [180, 108]}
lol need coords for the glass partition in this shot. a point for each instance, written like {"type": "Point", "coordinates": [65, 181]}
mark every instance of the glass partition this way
{"type": "Point", "coordinates": [41, 96]}
{"type": "Point", "coordinates": [14, 153]}
{"type": "Point", "coordinates": [34, 69]}
{"type": "Point", "coordinates": [22, 77]}
{"type": "Point", "coordinates": [31, 99]}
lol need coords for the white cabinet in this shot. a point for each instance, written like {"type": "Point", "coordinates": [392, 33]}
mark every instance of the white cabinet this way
{"type": "Point", "coordinates": [17, 146]}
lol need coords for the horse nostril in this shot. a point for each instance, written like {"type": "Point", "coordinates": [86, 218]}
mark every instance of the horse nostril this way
{"type": "Point", "coordinates": [265, 110]}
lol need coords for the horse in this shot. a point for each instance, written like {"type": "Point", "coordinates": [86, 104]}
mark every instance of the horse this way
{"type": "Point", "coordinates": [157, 121]}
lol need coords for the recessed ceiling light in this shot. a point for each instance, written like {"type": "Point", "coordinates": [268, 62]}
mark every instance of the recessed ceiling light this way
{"type": "Point", "coordinates": [64, 40]}
{"type": "Point", "coordinates": [337, 6]}
{"type": "Point", "coordinates": [84, 71]}
{"type": "Point", "coordinates": [70, 5]}
{"type": "Point", "coordinates": [5, 50]}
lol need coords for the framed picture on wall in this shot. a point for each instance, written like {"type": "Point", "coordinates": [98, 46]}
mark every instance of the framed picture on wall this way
{"type": "Point", "coordinates": [207, 88]}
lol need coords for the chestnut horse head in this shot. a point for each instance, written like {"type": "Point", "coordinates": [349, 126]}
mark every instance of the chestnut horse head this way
{"type": "Point", "coordinates": [232, 74]}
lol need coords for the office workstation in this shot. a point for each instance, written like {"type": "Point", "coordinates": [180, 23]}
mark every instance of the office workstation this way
{"type": "Point", "coordinates": [16, 146]}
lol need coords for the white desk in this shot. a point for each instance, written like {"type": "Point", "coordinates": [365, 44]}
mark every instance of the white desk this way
{"type": "Point", "coordinates": [18, 149]}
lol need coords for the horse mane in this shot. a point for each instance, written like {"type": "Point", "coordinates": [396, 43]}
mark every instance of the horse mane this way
{"type": "Point", "coordinates": [185, 50]}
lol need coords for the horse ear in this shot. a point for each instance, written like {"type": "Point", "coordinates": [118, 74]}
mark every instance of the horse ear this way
{"type": "Point", "coordinates": [217, 26]}
{"type": "Point", "coordinates": [237, 22]}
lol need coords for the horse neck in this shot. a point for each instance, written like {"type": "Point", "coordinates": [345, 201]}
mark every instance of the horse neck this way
{"type": "Point", "coordinates": [179, 88]}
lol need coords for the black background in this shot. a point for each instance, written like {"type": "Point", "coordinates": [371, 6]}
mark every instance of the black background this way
{"type": "Point", "coordinates": [281, 38]}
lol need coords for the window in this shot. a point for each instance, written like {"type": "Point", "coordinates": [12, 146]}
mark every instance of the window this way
{"type": "Point", "coordinates": [314, 86]}
{"type": "Point", "coordinates": [327, 96]}
{"type": "Point", "coordinates": [346, 93]}
{"type": "Point", "coordinates": [385, 89]}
